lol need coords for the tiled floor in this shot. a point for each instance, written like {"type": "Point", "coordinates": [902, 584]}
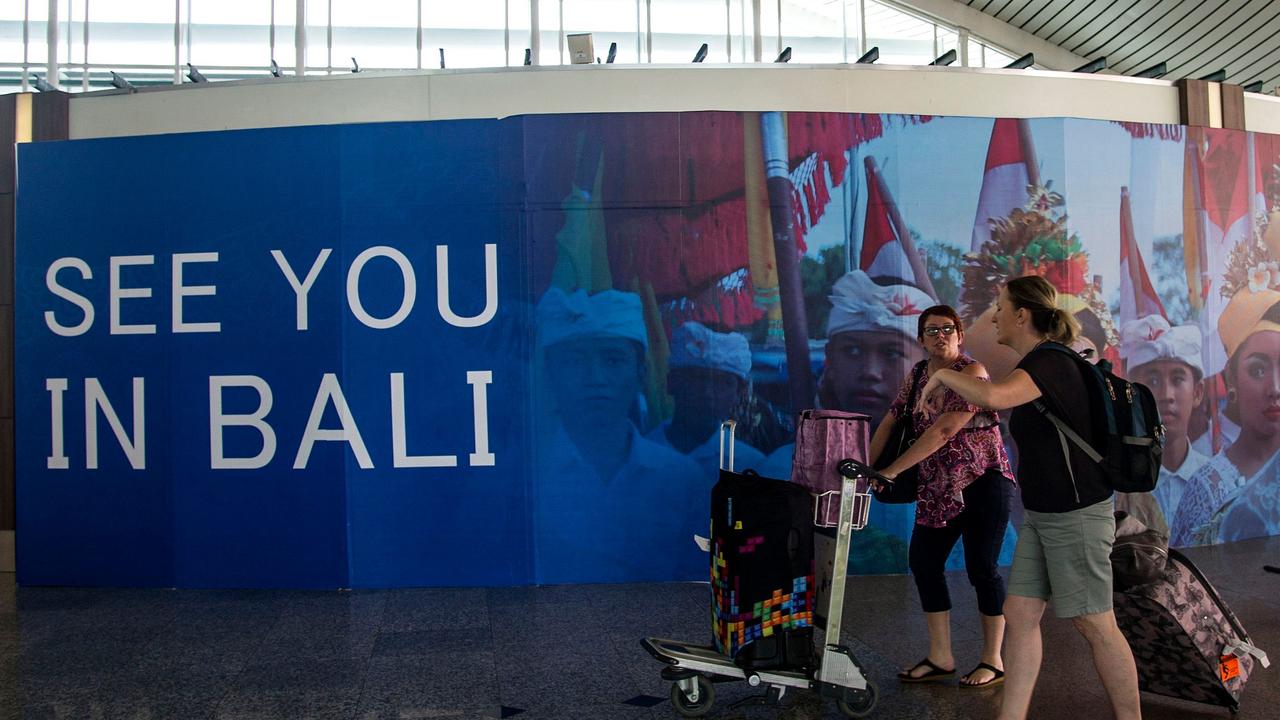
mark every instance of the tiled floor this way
{"type": "Point", "coordinates": [531, 653]}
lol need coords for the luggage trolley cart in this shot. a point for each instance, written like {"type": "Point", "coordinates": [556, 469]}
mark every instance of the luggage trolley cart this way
{"type": "Point", "coordinates": [836, 673]}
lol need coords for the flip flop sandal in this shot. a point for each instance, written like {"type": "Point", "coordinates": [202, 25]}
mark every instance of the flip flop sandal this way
{"type": "Point", "coordinates": [935, 673]}
{"type": "Point", "coordinates": [996, 680]}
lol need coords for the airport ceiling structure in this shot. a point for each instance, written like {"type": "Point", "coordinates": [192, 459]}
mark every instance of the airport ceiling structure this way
{"type": "Point", "coordinates": [1194, 38]}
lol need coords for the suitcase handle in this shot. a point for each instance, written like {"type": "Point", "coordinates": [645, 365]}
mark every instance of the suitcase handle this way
{"type": "Point", "coordinates": [727, 428]}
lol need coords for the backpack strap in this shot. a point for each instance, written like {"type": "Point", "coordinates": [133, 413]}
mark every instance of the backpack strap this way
{"type": "Point", "coordinates": [1064, 431]}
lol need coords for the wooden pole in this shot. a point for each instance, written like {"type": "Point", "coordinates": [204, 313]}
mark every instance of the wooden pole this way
{"type": "Point", "coordinates": [795, 327]}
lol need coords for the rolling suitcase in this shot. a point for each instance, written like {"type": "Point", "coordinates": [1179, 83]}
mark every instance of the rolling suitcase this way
{"type": "Point", "coordinates": [762, 570]}
{"type": "Point", "coordinates": [1186, 641]}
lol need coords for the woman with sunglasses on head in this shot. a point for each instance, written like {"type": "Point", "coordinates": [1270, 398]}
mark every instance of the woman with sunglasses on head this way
{"type": "Point", "coordinates": [964, 490]}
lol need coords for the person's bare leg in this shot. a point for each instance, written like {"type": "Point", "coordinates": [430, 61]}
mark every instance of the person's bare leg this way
{"type": "Point", "coordinates": [992, 641]}
{"type": "Point", "coordinates": [939, 625]}
{"type": "Point", "coordinates": [1114, 661]}
{"type": "Point", "coordinates": [1022, 653]}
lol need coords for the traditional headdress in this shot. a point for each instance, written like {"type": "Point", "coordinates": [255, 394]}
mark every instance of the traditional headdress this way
{"type": "Point", "coordinates": [859, 303]}
{"type": "Point", "coordinates": [697, 346]}
{"type": "Point", "coordinates": [569, 316]}
{"type": "Point", "coordinates": [1033, 240]}
{"type": "Point", "coordinates": [1151, 338]}
{"type": "Point", "coordinates": [1252, 286]}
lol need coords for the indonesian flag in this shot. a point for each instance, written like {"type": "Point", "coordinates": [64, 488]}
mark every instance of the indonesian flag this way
{"type": "Point", "coordinates": [883, 250]}
{"type": "Point", "coordinates": [1138, 296]}
{"type": "Point", "coordinates": [1011, 167]}
{"type": "Point", "coordinates": [1224, 217]}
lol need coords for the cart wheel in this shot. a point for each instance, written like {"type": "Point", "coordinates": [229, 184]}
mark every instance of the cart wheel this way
{"type": "Point", "coordinates": [706, 698]}
{"type": "Point", "coordinates": [856, 703]}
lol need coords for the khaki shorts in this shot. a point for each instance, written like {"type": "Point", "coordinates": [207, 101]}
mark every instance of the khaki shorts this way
{"type": "Point", "coordinates": [1066, 557]}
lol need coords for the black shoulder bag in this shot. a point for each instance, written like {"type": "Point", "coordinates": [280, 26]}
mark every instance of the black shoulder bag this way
{"type": "Point", "coordinates": [906, 485]}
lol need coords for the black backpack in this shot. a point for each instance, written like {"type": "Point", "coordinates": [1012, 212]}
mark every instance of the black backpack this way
{"type": "Point", "coordinates": [1130, 458]}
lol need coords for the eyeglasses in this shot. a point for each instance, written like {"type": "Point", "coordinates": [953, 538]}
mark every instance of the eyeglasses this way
{"type": "Point", "coordinates": [946, 330]}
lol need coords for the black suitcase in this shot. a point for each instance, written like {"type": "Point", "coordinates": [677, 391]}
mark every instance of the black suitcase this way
{"type": "Point", "coordinates": [762, 569]}
{"type": "Point", "coordinates": [1186, 641]}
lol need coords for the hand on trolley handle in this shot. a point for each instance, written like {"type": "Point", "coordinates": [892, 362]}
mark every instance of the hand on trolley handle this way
{"type": "Point", "coordinates": [856, 470]}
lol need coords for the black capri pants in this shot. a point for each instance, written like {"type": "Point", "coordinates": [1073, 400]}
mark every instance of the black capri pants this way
{"type": "Point", "coordinates": [982, 524]}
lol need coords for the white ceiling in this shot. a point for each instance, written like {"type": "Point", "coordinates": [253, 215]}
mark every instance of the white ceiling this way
{"type": "Point", "coordinates": [1194, 37]}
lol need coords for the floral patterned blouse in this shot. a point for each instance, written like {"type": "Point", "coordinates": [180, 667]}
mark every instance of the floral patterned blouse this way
{"type": "Point", "coordinates": [964, 458]}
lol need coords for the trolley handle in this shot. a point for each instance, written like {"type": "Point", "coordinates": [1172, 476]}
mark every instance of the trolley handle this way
{"type": "Point", "coordinates": [856, 470]}
{"type": "Point", "coordinates": [727, 431]}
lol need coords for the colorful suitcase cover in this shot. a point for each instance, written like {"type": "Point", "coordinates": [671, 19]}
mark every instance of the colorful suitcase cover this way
{"type": "Point", "coordinates": [762, 566]}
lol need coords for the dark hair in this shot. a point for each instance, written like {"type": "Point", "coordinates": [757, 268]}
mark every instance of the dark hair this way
{"type": "Point", "coordinates": [1091, 327]}
{"type": "Point", "coordinates": [1040, 298]}
{"type": "Point", "coordinates": [945, 311]}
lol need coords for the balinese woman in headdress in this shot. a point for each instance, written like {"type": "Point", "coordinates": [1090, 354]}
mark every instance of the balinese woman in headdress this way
{"type": "Point", "coordinates": [1250, 331]}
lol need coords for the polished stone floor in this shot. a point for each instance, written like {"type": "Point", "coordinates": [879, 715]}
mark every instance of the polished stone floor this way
{"type": "Point", "coordinates": [553, 652]}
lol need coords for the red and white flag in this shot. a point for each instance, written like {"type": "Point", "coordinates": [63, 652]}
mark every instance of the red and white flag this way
{"type": "Point", "coordinates": [884, 253]}
{"type": "Point", "coordinates": [1011, 167]}
{"type": "Point", "coordinates": [1138, 297]}
{"type": "Point", "coordinates": [1226, 218]}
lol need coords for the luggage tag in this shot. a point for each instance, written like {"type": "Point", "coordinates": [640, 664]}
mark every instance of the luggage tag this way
{"type": "Point", "coordinates": [1228, 667]}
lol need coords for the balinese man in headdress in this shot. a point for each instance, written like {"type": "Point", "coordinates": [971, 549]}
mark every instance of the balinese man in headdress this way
{"type": "Point", "coordinates": [1168, 360]}
{"type": "Point", "coordinates": [871, 346]}
{"type": "Point", "coordinates": [708, 379]}
{"type": "Point", "coordinates": [610, 505]}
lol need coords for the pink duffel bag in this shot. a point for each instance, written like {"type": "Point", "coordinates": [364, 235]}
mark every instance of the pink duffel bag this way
{"type": "Point", "coordinates": [823, 439]}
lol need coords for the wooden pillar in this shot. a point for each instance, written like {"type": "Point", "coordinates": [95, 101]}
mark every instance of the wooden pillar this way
{"type": "Point", "coordinates": [1209, 104]}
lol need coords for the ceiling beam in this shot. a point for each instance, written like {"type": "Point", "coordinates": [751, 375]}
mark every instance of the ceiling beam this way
{"type": "Point", "coordinates": [996, 32]}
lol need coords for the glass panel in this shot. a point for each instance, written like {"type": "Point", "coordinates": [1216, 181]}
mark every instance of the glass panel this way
{"type": "Point", "coordinates": [608, 21]}
{"type": "Point", "coordinates": [903, 39]}
{"type": "Point", "coordinates": [285, 53]}
{"type": "Point", "coordinates": [319, 55]}
{"type": "Point", "coordinates": [518, 20]}
{"type": "Point", "coordinates": [71, 32]}
{"type": "Point", "coordinates": [768, 30]}
{"type": "Point", "coordinates": [139, 32]}
{"type": "Point", "coordinates": [550, 52]}
{"type": "Point", "coordinates": [975, 53]}
{"type": "Point", "coordinates": [948, 40]}
{"type": "Point", "coordinates": [815, 30]}
{"type": "Point", "coordinates": [998, 59]}
{"type": "Point", "coordinates": [740, 28]}
{"type": "Point", "coordinates": [37, 32]}
{"type": "Point", "coordinates": [229, 33]}
{"type": "Point", "coordinates": [377, 33]}
{"type": "Point", "coordinates": [470, 33]}
{"type": "Point", "coordinates": [681, 26]}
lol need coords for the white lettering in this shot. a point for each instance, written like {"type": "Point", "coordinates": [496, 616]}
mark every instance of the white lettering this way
{"type": "Point", "coordinates": [398, 442]}
{"type": "Point", "coordinates": [479, 381]}
{"type": "Point", "coordinates": [118, 293]}
{"type": "Point", "coordinates": [80, 301]}
{"type": "Point", "coordinates": [353, 287]}
{"type": "Point", "coordinates": [180, 291]}
{"type": "Point", "coordinates": [57, 459]}
{"type": "Point", "coordinates": [219, 420]}
{"type": "Point", "coordinates": [301, 289]}
{"type": "Point", "coordinates": [490, 288]}
{"type": "Point", "coordinates": [330, 391]}
{"type": "Point", "coordinates": [134, 449]}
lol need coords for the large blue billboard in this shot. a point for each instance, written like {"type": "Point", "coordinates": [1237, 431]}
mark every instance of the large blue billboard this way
{"type": "Point", "coordinates": [496, 351]}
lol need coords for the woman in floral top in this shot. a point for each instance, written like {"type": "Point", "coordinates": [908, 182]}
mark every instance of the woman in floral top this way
{"type": "Point", "coordinates": [965, 490]}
